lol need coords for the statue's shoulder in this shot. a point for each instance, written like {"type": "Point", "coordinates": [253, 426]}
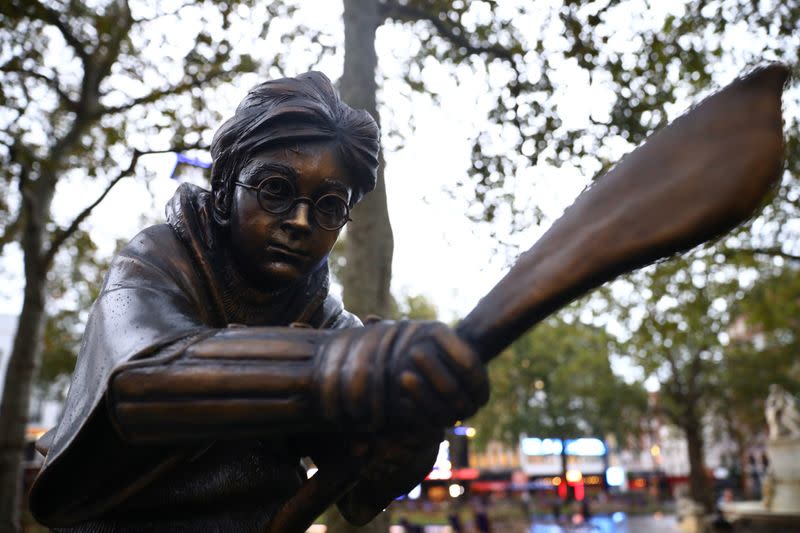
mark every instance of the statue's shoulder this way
{"type": "Point", "coordinates": [333, 315]}
{"type": "Point", "coordinates": [156, 250]}
{"type": "Point", "coordinates": [177, 250]}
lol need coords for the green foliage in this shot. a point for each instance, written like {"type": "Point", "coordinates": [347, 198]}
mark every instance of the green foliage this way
{"type": "Point", "coordinates": [715, 337]}
{"type": "Point", "coordinates": [764, 349]}
{"type": "Point", "coordinates": [74, 284]}
{"type": "Point", "coordinates": [557, 381]}
{"type": "Point", "coordinates": [417, 307]}
{"type": "Point", "coordinates": [639, 65]}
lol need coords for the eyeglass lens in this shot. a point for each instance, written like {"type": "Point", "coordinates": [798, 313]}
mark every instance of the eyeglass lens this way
{"type": "Point", "coordinates": [277, 196]}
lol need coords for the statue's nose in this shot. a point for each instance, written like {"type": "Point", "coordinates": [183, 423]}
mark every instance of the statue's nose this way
{"type": "Point", "coordinates": [299, 217]}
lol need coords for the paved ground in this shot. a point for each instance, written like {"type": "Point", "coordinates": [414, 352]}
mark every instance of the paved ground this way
{"type": "Point", "coordinates": [616, 523]}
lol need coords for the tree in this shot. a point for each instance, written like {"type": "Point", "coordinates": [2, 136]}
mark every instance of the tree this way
{"type": "Point", "coordinates": [87, 91]}
{"type": "Point", "coordinates": [681, 318]}
{"type": "Point", "coordinates": [763, 348]}
{"type": "Point", "coordinates": [557, 382]}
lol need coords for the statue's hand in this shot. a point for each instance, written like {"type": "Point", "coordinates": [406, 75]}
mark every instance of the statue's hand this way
{"type": "Point", "coordinates": [417, 373]}
{"type": "Point", "coordinates": [393, 464]}
{"type": "Point", "coordinates": [435, 377]}
{"type": "Point", "coordinates": [397, 463]}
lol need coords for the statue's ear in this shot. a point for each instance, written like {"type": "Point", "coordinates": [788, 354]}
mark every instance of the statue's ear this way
{"type": "Point", "coordinates": [221, 205]}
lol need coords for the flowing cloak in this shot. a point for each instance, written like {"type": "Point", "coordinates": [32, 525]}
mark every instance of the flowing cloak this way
{"type": "Point", "coordinates": [164, 291]}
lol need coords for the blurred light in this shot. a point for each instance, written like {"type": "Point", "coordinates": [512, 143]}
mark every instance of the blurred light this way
{"type": "Point", "coordinates": [534, 446]}
{"type": "Point", "coordinates": [311, 471]}
{"type": "Point", "coordinates": [556, 481]}
{"type": "Point", "coordinates": [615, 476]}
{"type": "Point", "coordinates": [442, 466]}
{"type": "Point", "coordinates": [539, 384]}
{"type": "Point", "coordinates": [440, 474]}
{"type": "Point", "coordinates": [35, 433]}
{"type": "Point", "coordinates": [456, 490]}
{"type": "Point", "coordinates": [655, 450]}
{"type": "Point", "coordinates": [579, 494]}
{"type": "Point", "coordinates": [586, 447]}
{"type": "Point", "coordinates": [415, 493]}
{"type": "Point", "coordinates": [721, 472]}
{"type": "Point", "coordinates": [573, 476]}
{"type": "Point", "coordinates": [466, 473]}
{"type": "Point", "coordinates": [467, 431]}
{"type": "Point", "coordinates": [618, 517]}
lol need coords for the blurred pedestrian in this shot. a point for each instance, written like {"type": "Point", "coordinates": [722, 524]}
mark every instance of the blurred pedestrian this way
{"type": "Point", "coordinates": [585, 509]}
{"type": "Point", "coordinates": [482, 522]}
{"type": "Point", "coordinates": [455, 522]}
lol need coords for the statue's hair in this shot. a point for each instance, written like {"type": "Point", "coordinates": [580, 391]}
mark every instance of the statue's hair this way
{"type": "Point", "coordinates": [290, 111]}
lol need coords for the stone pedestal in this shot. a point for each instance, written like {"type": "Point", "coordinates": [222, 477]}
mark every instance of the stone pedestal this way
{"type": "Point", "coordinates": [784, 457]}
{"type": "Point", "coordinates": [779, 511]}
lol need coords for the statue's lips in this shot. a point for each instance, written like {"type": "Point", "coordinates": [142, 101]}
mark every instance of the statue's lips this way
{"type": "Point", "coordinates": [285, 251]}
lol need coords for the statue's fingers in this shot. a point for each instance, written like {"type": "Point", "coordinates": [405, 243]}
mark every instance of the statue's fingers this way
{"type": "Point", "coordinates": [442, 380]}
{"type": "Point", "coordinates": [431, 410]}
{"type": "Point", "coordinates": [466, 362]}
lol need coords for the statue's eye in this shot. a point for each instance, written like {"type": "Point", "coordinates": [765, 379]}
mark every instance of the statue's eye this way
{"type": "Point", "coordinates": [276, 186]}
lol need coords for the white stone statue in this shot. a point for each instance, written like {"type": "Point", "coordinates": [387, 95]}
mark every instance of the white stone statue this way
{"type": "Point", "coordinates": [783, 414]}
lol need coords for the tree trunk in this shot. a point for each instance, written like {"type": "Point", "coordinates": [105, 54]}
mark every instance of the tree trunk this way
{"type": "Point", "coordinates": [699, 487]}
{"type": "Point", "coordinates": [21, 370]}
{"type": "Point", "coordinates": [369, 243]}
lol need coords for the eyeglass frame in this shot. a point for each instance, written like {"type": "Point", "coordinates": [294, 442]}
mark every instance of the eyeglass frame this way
{"type": "Point", "coordinates": [297, 199]}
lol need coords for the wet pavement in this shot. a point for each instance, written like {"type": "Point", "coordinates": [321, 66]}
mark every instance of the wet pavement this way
{"type": "Point", "coordinates": [616, 523]}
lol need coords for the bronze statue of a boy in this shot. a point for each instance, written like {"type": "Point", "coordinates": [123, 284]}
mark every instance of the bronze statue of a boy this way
{"type": "Point", "coordinates": [193, 401]}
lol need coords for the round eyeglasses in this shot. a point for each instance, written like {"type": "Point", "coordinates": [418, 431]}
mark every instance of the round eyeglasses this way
{"type": "Point", "coordinates": [277, 196]}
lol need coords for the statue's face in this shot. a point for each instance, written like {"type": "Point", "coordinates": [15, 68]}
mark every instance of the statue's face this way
{"type": "Point", "coordinates": [275, 250]}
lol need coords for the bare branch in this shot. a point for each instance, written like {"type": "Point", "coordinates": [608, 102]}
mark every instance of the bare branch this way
{"type": "Point", "coordinates": [13, 66]}
{"type": "Point", "coordinates": [165, 14]}
{"type": "Point", "coordinates": [454, 33]}
{"type": "Point", "coordinates": [774, 251]}
{"type": "Point", "coordinates": [39, 11]}
{"type": "Point", "coordinates": [60, 236]}
{"type": "Point", "coordinates": [121, 13]}
{"type": "Point", "coordinates": [158, 94]}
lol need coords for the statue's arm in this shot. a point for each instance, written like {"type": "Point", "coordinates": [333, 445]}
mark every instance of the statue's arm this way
{"type": "Point", "coordinates": [295, 381]}
{"type": "Point", "coordinates": [227, 383]}
{"type": "Point", "coordinates": [251, 381]}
